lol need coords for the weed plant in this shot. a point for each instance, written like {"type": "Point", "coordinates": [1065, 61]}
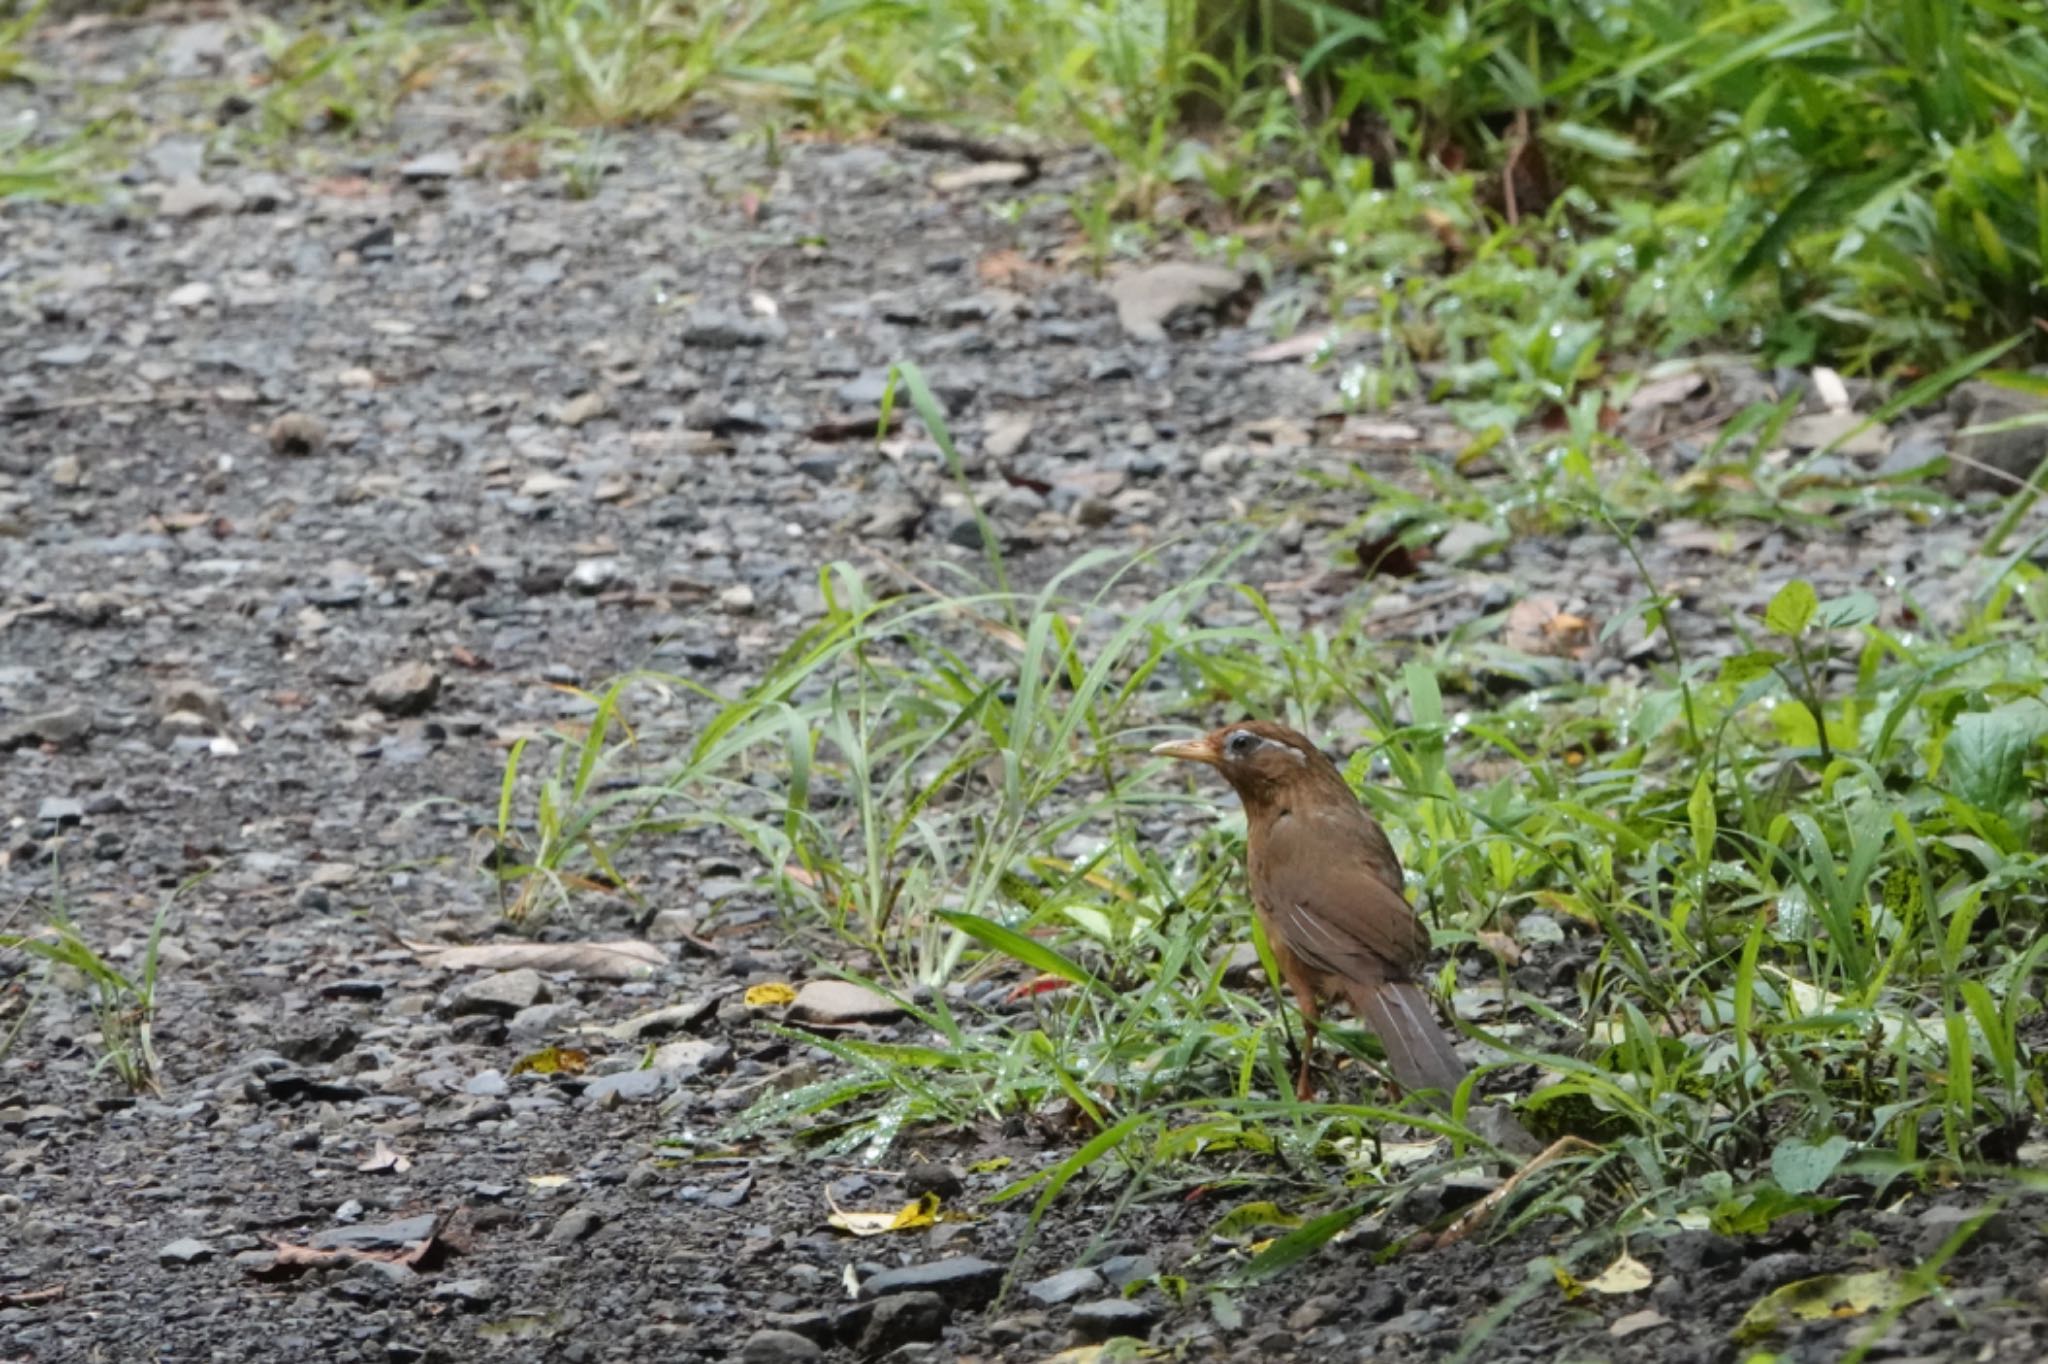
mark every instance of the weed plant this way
{"type": "Point", "coordinates": [1798, 884]}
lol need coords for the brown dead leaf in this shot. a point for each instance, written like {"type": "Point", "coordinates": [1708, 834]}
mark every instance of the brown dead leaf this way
{"type": "Point", "coordinates": [618, 959]}
{"type": "Point", "coordinates": [1010, 270]}
{"type": "Point", "coordinates": [1502, 946]}
{"type": "Point", "coordinates": [1540, 627]}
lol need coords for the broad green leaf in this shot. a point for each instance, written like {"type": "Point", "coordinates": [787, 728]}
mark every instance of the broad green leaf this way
{"type": "Point", "coordinates": [1741, 668]}
{"type": "Point", "coordinates": [1985, 754]}
{"type": "Point", "coordinates": [1791, 609]}
{"type": "Point", "coordinates": [1847, 612]}
{"type": "Point", "coordinates": [1801, 1167]}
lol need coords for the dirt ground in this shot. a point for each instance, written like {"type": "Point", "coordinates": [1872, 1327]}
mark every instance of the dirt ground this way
{"type": "Point", "coordinates": [271, 427]}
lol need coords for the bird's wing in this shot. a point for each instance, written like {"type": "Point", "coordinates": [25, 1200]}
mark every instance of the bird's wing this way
{"type": "Point", "coordinates": [1331, 891]}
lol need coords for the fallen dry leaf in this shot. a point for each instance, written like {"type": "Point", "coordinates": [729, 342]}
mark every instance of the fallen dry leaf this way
{"type": "Point", "coordinates": [1626, 1275]}
{"type": "Point", "coordinates": [981, 176]}
{"type": "Point", "coordinates": [383, 1158]}
{"type": "Point", "coordinates": [1299, 346]}
{"type": "Point", "coordinates": [1637, 1322]}
{"type": "Point", "coordinates": [617, 959]}
{"type": "Point", "coordinates": [553, 1061]}
{"type": "Point", "coordinates": [1540, 627]}
{"type": "Point", "coordinates": [910, 1217]}
{"type": "Point", "coordinates": [1830, 1295]}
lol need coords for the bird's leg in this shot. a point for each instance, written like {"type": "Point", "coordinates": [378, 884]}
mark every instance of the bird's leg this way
{"type": "Point", "coordinates": [1305, 1085]}
{"type": "Point", "coordinates": [1303, 986]}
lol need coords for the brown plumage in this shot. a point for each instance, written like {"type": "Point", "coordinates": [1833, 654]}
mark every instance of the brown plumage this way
{"type": "Point", "coordinates": [1327, 886]}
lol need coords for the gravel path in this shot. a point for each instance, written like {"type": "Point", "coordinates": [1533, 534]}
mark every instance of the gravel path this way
{"type": "Point", "coordinates": [319, 484]}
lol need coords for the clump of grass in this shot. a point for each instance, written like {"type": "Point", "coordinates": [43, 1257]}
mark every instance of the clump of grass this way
{"type": "Point", "coordinates": [1802, 882]}
{"type": "Point", "coordinates": [123, 1004]}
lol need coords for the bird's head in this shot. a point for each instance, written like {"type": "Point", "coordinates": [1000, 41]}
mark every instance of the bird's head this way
{"type": "Point", "coordinates": [1259, 758]}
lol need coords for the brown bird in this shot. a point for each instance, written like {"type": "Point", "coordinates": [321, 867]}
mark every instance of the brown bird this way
{"type": "Point", "coordinates": [1327, 887]}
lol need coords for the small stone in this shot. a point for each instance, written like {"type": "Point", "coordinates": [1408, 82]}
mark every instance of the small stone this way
{"type": "Point", "coordinates": [185, 696]}
{"type": "Point", "coordinates": [1147, 299]}
{"type": "Point", "coordinates": [779, 1347]}
{"type": "Point", "coordinates": [67, 726]}
{"type": "Point", "coordinates": [60, 811]}
{"type": "Point", "coordinates": [1635, 1323]}
{"type": "Point", "coordinates": [1996, 461]}
{"type": "Point", "coordinates": [66, 472]}
{"type": "Point", "coordinates": [628, 1086]}
{"type": "Point", "coordinates": [297, 435]}
{"type": "Point", "coordinates": [837, 1003]}
{"type": "Point", "coordinates": [190, 197]}
{"type": "Point", "coordinates": [672, 925]}
{"type": "Point", "coordinates": [582, 408]}
{"type": "Point", "coordinates": [186, 1250]}
{"type": "Point", "coordinates": [502, 995]}
{"type": "Point", "coordinates": [408, 689]}
{"type": "Point", "coordinates": [593, 576]}
{"type": "Point", "coordinates": [1467, 540]}
{"type": "Point", "coordinates": [577, 1224]}
{"type": "Point", "coordinates": [196, 294]}
{"type": "Point", "coordinates": [1108, 1318]}
{"type": "Point", "coordinates": [436, 165]}
{"type": "Point", "coordinates": [471, 1295]}
{"type": "Point", "coordinates": [923, 1177]}
{"type": "Point", "coordinates": [1120, 1271]}
{"type": "Point", "coordinates": [537, 1022]}
{"type": "Point", "coordinates": [737, 600]}
{"type": "Point", "coordinates": [490, 1084]}
{"type": "Point", "coordinates": [1004, 434]}
{"type": "Point", "coordinates": [687, 1057]}
{"type": "Point", "coordinates": [903, 1319]}
{"type": "Point", "coordinates": [1064, 1287]}
{"type": "Point", "coordinates": [729, 331]}
{"type": "Point", "coordinates": [966, 1279]}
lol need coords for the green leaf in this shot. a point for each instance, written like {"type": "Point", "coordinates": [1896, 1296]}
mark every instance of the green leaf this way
{"type": "Point", "coordinates": [1847, 612]}
{"type": "Point", "coordinates": [1985, 754]}
{"type": "Point", "coordinates": [1791, 609]}
{"type": "Point", "coordinates": [1030, 951]}
{"type": "Point", "coordinates": [1594, 141]}
{"type": "Point", "coordinates": [1801, 1167]}
{"type": "Point", "coordinates": [1299, 1244]}
{"type": "Point", "coordinates": [1749, 667]}
{"type": "Point", "coordinates": [1699, 810]}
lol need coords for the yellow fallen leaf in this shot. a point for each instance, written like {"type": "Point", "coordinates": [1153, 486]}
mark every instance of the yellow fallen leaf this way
{"type": "Point", "coordinates": [770, 996]}
{"type": "Point", "coordinates": [1830, 1295]}
{"type": "Point", "coordinates": [923, 1213]}
{"type": "Point", "coordinates": [553, 1061]}
{"type": "Point", "coordinates": [1626, 1275]}
{"type": "Point", "coordinates": [989, 1166]}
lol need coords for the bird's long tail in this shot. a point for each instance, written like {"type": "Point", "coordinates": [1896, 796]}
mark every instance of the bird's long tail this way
{"type": "Point", "coordinates": [1419, 1052]}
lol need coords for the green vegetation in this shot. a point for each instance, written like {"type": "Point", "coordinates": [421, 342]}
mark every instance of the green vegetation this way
{"type": "Point", "coordinates": [123, 1004]}
{"type": "Point", "coordinates": [1519, 195]}
{"type": "Point", "coordinates": [1802, 882]}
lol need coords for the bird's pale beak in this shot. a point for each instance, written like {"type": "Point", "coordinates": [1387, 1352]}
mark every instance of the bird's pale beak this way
{"type": "Point", "coordinates": [1188, 750]}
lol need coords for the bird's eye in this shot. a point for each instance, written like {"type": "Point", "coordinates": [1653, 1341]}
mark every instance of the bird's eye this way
{"type": "Point", "coordinates": [1240, 743]}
